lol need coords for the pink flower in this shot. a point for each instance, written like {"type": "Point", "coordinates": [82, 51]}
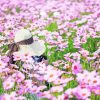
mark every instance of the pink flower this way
{"type": "Point", "coordinates": [76, 56]}
{"type": "Point", "coordinates": [2, 66]}
{"type": "Point", "coordinates": [26, 58]}
{"type": "Point", "coordinates": [16, 56]}
{"type": "Point", "coordinates": [61, 97]}
{"type": "Point", "coordinates": [23, 57]}
{"type": "Point", "coordinates": [22, 91]}
{"type": "Point", "coordinates": [41, 88]}
{"type": "Point", "coordinates": [5, 59]}
{"type": "Point", "coordinates": [94, 81]}
{"type": "Point", "coordinates": [11, 35]}
{"type": "Point", "coordinates": [51, 75]}
{"type": "Point", "coordinates": [35, 89]}
{"type": "Point", "coordinates": [27, 66]}
{"type": "Point", "coordinates": [20, 98]}
{"type": "Point", "coordinates": [84, 40]}
{"type": "Point", "coordinates": [57, 89]}
{"type": "Point", "coordinates": [69, 93]}
{"type": "Point", "coordinates": [96, 90]}
{"type": "Point", "coordinates": [84, 53]}
{"type": "Point", "coordinates": [45, 94]}
{"type": "Point", "coordinates": [62, 80]}
{"type": "Point", "coordinates": [18, 76]}
{"type": "Point", "coordinates": [27, 84]}
{"type": "Point", "coordinates": [85, 78]}
{"type": "Point", "coordinates": [67, 57]}
{"type": "Point", "coordinates": [76, 68]}
{"type": "Point", "coordinates": [82, 93]}
{"type": "Point", "coordinates": [5, 97]}
{"type": "Point", "coordinates": [8, 83]}
{"type": "Point", "coordinates": [12, 96]}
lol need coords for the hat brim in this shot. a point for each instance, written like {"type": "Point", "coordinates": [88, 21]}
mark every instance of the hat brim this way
{"type": "Point", "coordinates": [37, 48]}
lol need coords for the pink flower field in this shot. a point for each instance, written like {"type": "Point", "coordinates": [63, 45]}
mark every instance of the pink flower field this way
{"type": "Point", "coordinates": [68, 68]}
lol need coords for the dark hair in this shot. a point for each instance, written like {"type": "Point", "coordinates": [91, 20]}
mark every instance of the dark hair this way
{"type": "Point", "coordinates": [12, 48]}
{"type": "Point", "coordinates": [15, 47]}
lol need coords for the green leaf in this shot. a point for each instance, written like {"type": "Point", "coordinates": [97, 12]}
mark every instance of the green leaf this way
{"type": "Point", "coordinates": [52, 27]}
{"type": "Point", "coordinates": [92, 44]}
{"type": "Point", "coordinates": [0, 34]}
{"type": "Point", "coordinates": [43, 99]}
{"type": "Point", "coordinates": [98, 32]}
{"type": "Point", "coordinates": [41, 37]}
{"type": "Point", "coordinates": [74, 98]}
{"type": "Point", "coordinates": [31, 96]}
{"type": "Point", "coordinates": [50, 14]}
{"type": "Point", "coordinates": [72, 30]}
{"type": "Point", "coordinates": [18, 9]}
{"type": "Point", "coordinates": [95, 97]}
{"type": "Point", "coordinates": [86, 65]}
{"type": "Point", "coordinates": [73, 20]}
{"type": "Point", "coordinates": [4, 48]}
{"type": "Point", "coordinates": [57, 93]}
{"type": "Point", "coordinates": [86, 13]}
{"type": "Point", "coordinates": [70, 47]}
{"type": "Point", "coordinates": [71, 84]}
{"type": "Point", "coordinates": [1, 87]}
{"type": "Point", "coordinates": [64, 35]}
{"type": "Point", "coordinates": [81, 24]}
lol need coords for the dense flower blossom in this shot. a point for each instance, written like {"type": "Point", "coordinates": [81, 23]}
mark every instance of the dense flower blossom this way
{"type": "Point", "coordinates": [83, 94]}
{"type": "Point", "coordinates": [70, 29]}
{"type": "Point", "coordinates": [12, 96]}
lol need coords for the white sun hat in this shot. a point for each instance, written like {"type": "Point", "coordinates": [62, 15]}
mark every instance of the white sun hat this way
{"type": "Point", "coordinates": [35, 48]}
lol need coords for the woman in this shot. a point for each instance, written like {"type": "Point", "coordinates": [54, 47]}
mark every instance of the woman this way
{"type": "Point", "coordinates": [24, 44]}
